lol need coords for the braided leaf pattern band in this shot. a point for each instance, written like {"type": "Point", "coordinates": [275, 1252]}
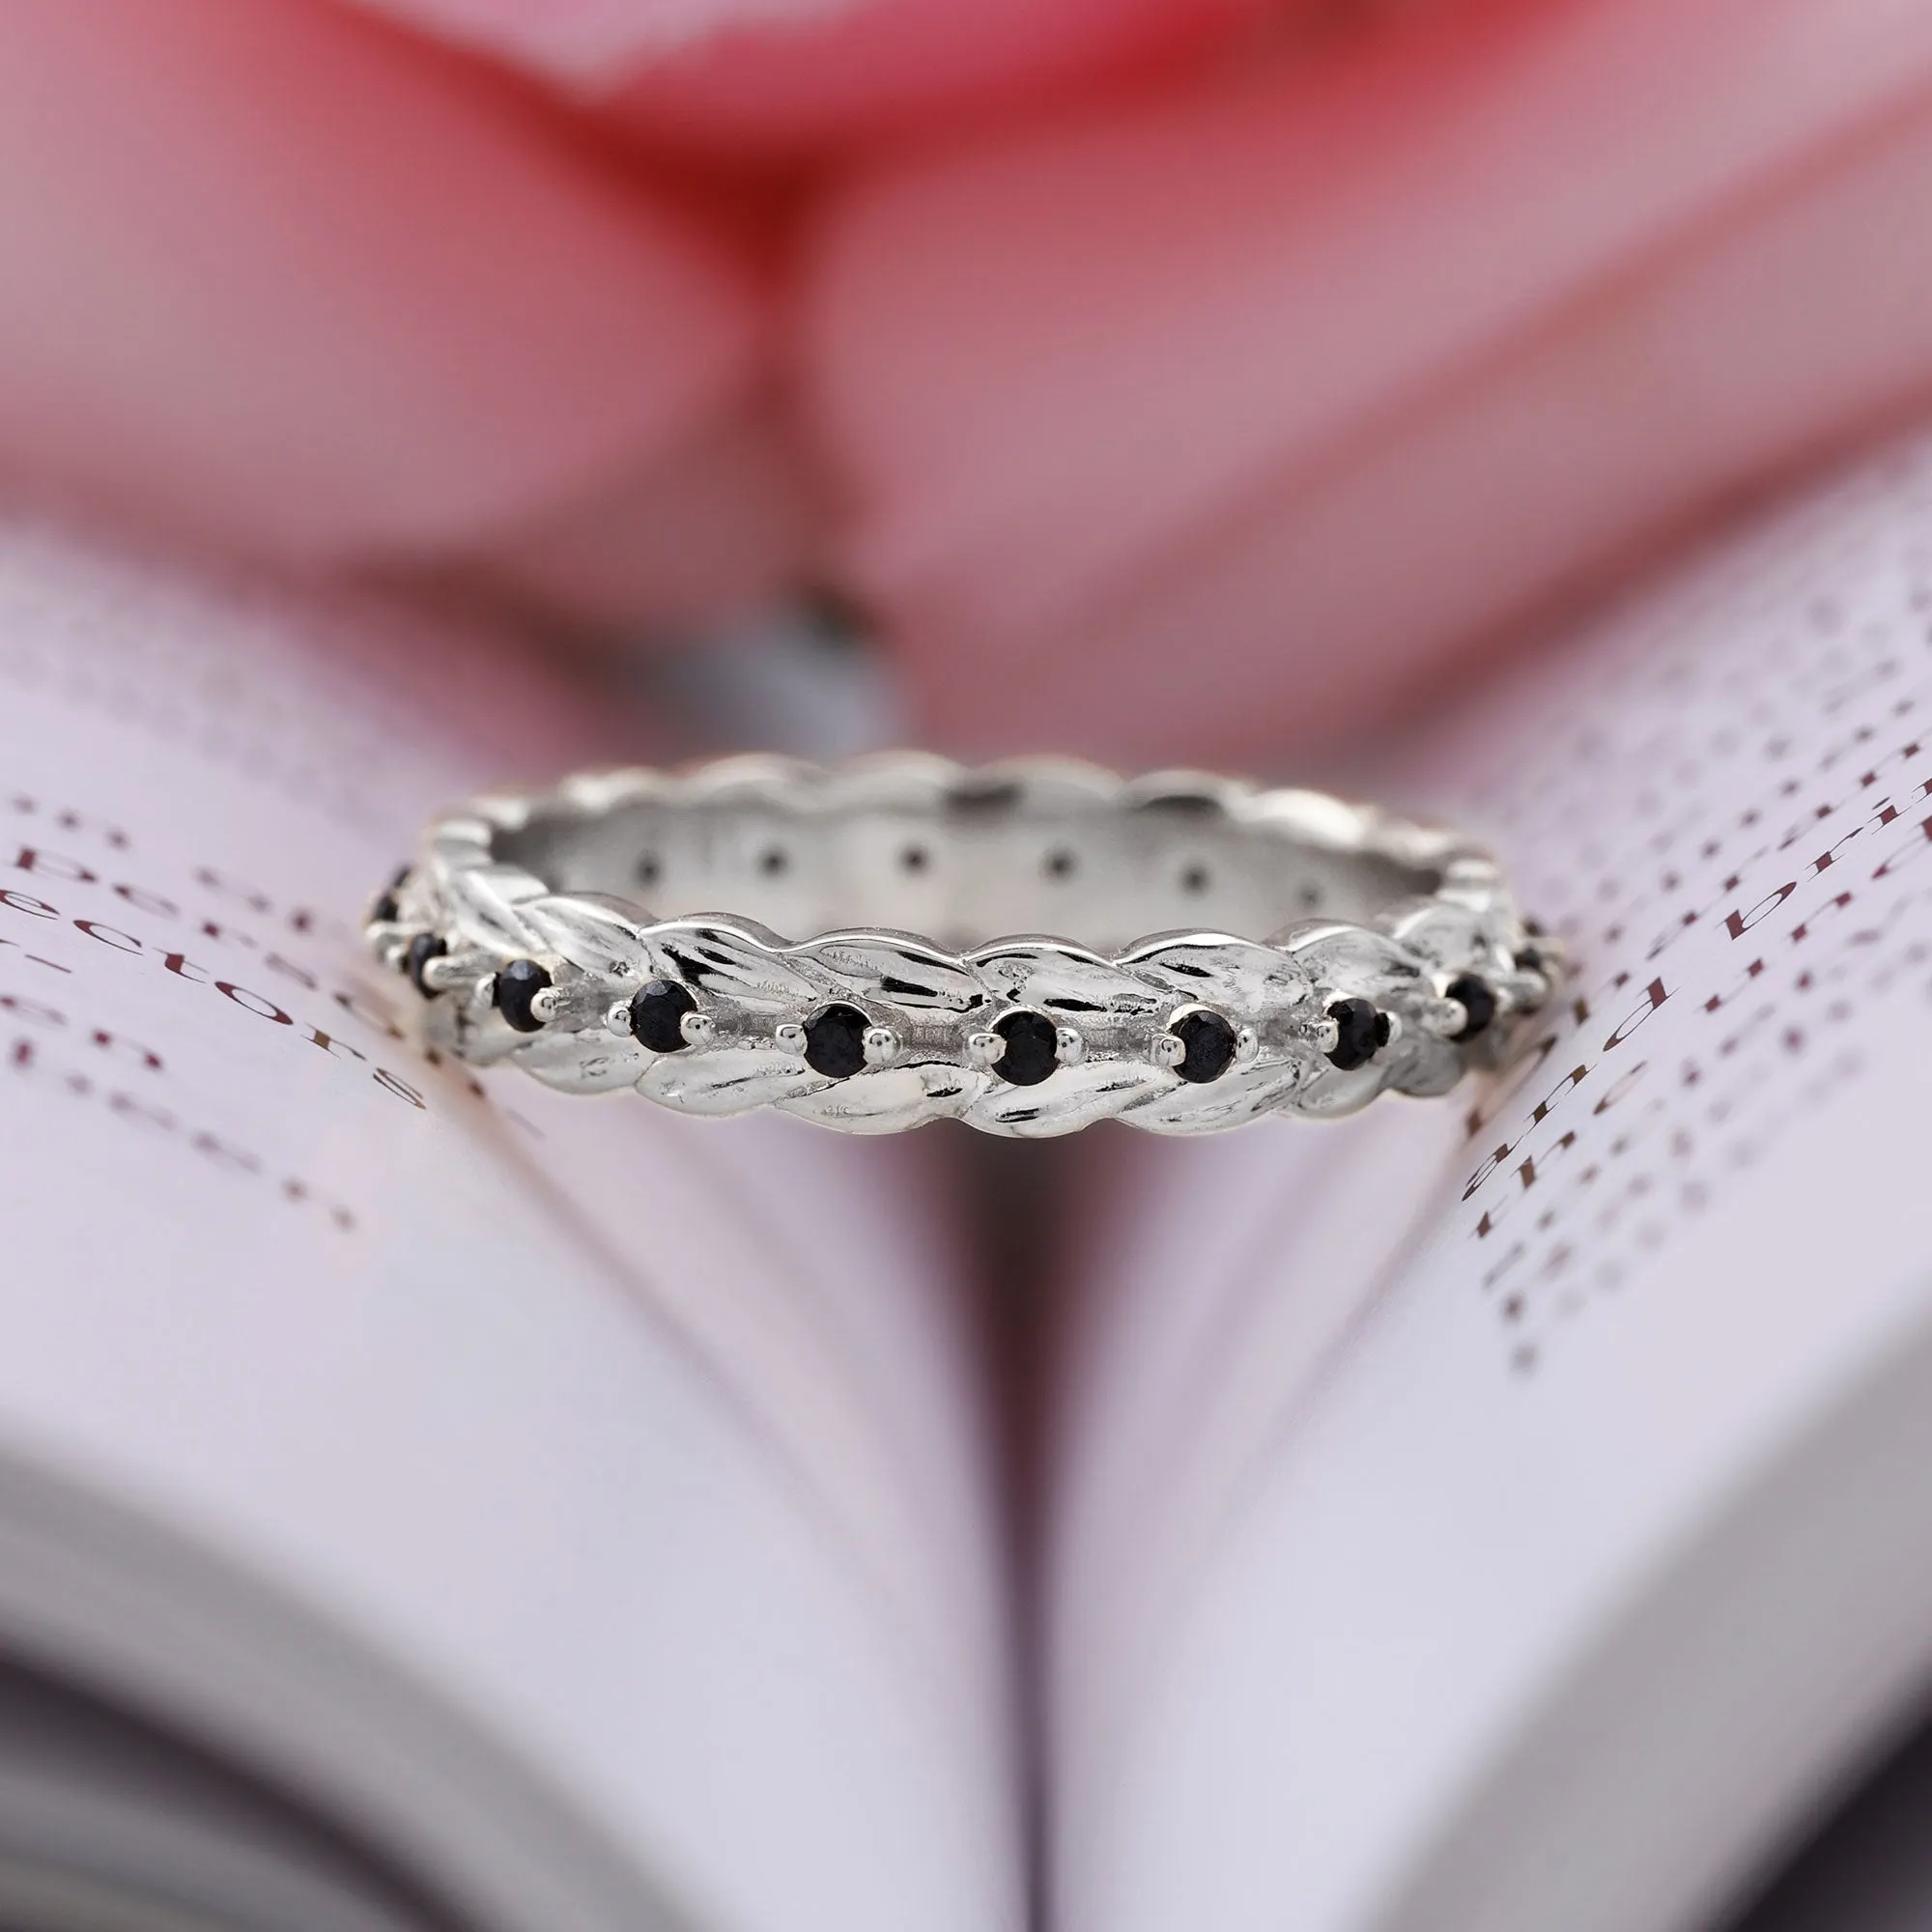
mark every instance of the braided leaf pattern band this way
{"type": "Point", "coordinates": [1449, 977]}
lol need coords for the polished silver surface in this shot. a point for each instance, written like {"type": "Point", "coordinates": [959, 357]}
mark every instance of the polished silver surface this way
{"type": "Point", "coordinates": [1029, 947]}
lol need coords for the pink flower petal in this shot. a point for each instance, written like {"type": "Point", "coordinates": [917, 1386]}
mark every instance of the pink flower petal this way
{"type": "Point", "coordinates": [890, 67]}
{"type": "Point", "coordinates": [1220, 422]}
{"type": "Point", "coordinates": [278, 273]}
{"type": "Point", "coordinates": [756, 75]}
{"type": "Point", "coordinates": [713, 529]}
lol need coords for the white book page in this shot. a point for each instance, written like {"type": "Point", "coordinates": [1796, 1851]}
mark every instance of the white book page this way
{"type": "Point", "coordinates": [1501, 1512]}
{"type": "Point", "coordinates": [589, 1503]}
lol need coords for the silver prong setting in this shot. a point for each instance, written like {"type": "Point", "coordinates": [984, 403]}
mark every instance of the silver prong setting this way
{"type": "Point", "coordinates": [545, 1005]}
{"type": "Point", "coordinates": [443, 975]}
{"type": "Point", "coordinates": [617, 1018]}
{"type": "Point", "coordinates": [1070, 1045]}
{"type": "Point", "coordinates": [698, 1028]}
{"type": "Point", "coordinates": [1247, 1046]}
{"type": "Point", "coordinates": [881, 1046]}
{"type": "Point", "coordinates": [1168, 1049]}
{"type": "Point", "coordinates": [1520, 992]}
{"type": "Point", "coordinates": [789, 1037]}
{"type": "Point", "coordinates": [983, 1049]}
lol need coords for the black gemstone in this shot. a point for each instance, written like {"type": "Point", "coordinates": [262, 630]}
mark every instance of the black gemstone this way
{"type": "Point", "coordinates": [385, 908]}
{"type": "Point", "coordinates": [1209, 1043]}
{"type": "Point", "coordinates": [423, 947]}
{"type": "Point", "coordinates": [1362, 1030]}
{"type": "Point", "coordinates": [1031, 1051]}
{"type": "Point", "coordinates": [835, 1041]}
{"type": "Point", "coordinates": [656, 1007]}
{"type": "Point", "coordinates": [517, 984]}
{"type": "Point", "coordinates": [1477, 1000]}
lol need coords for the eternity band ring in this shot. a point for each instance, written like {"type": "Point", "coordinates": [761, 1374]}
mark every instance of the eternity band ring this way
{"type": "Point", "coordinates": [1240, 951]}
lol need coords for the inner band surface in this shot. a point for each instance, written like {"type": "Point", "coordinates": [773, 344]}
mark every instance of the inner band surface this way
{"type": "Point", "coordinates": [975, 865]}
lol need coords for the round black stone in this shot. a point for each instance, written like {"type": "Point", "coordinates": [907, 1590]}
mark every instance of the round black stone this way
{"type": "Point", "coordinates": [835, 1040]}
{"type": "Point", "coordinates": [1209, 1043]}
{"type": "Point", "coordinates": [1477, 1000]}
{"type": "Point", "coordinates": [423, 947]}
{"type": "Point", "coordinates": [1031, 1051]}
{"type": "Point", "coordinates": [656, 1007]}
{"type": "Point", "coordinates": [517, 984]}
{"type": "Point", "coordinates": [1362, 1030]}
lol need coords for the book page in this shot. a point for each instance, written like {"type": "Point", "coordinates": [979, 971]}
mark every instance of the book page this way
{"type": "Point", "coordinates": [1503, 1511]}
{"type": "Point", "coordinates": [589, 1504]}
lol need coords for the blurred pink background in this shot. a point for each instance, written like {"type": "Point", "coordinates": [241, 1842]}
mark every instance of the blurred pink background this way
{"type": "Point", "coordinates": [1276, 360]}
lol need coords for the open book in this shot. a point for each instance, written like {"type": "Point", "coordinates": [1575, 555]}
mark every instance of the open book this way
{"type": "Point", "coordinates": [429, 1501]}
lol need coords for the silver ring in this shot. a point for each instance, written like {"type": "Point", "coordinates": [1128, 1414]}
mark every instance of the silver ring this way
{"type": "Point", "coordinates": [1242, 951]}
